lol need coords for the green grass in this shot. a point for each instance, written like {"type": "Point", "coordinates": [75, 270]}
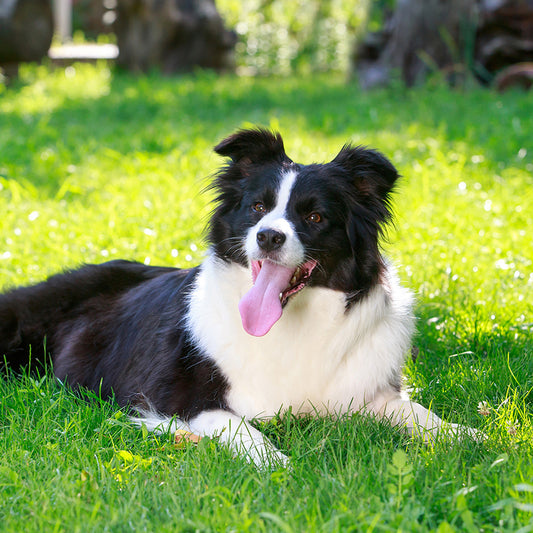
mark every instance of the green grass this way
{"type": "Point", "coordinates": [96, 165]}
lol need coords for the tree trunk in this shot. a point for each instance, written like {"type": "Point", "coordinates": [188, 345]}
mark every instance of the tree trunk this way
{"type": "Point", "coordinates": [26, 29]}
{"type": "Point", "coordinates": [421, 36]}
{"type": "Point", "coordinates": [172, 35]}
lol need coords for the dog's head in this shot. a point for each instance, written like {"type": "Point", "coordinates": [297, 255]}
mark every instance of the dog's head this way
{"type": "Point", "coordinates": [299, 225]}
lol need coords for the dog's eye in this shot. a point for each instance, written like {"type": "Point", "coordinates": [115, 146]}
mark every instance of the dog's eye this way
{"type": "Point", "coordinates": [259, 207]}
{"type": "Point", "coordinates": [315, 218]}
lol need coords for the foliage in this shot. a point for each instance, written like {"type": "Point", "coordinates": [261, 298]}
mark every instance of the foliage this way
{"type": "Point", "coordinates": [283, 36]}
{"type": "Point", "coordinates": [274, 36]}
{"type": "Point", "coordinates": [378, 10]}
{"type": "Point", "coordinates": [96, 165]}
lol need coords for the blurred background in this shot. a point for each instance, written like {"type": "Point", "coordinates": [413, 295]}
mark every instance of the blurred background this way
{"type": "Point", "coordinates": [375, 42]}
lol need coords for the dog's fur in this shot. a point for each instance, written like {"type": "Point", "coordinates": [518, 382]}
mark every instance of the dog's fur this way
{"type": "Point", "coordinates": [173, 339]}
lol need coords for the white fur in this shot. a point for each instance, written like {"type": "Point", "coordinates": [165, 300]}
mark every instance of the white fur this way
{"type": "Point", "coordinates": [316, 359]}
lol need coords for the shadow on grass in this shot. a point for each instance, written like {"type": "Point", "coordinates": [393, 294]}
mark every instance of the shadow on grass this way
{"type": "Point", "coordinates": [464, 357]}
{"type": "Point", "coordinates": [156, 115]}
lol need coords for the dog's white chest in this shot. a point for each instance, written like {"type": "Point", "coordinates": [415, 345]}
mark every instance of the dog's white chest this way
{"type": "Point", "coordinates": [315, 358]}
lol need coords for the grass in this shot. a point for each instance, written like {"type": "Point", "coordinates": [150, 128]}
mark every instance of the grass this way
{"type": "Point", "coordinates": [97, 165]}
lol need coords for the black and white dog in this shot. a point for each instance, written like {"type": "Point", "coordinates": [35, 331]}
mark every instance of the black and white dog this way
{"type": "Point", "coordinates": [294, 307]}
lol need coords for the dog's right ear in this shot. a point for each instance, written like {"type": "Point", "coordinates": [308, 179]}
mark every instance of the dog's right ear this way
{"type": "Point", "coordinates": [253, 146]}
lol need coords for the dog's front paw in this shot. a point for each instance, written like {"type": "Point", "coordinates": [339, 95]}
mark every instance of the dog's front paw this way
{"type": "Point", "coordinates": [465, 432]}
{"type": "Point", "coordinates": [448, 431]}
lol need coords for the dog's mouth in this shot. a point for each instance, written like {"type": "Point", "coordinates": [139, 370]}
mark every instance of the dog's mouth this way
{"type": "Point", "coordinates": [299, 279]}
{"type": "Point", "coordinates": [262, 306]}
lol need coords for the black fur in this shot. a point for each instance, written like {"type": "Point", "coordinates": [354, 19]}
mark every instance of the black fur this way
{"type": "Point", "coordinates": [115, 329]}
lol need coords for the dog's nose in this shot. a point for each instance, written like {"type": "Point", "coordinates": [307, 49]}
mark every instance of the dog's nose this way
{"type": "Point", "coordinates": [270, 239]}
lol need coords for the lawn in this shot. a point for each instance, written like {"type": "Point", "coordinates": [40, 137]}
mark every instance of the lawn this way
{"type": "Point", "coordinates": [96, 165]}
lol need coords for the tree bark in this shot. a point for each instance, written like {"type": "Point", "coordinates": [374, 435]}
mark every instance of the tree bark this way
{"type": "Point", "coordinates": [172, 35]}
{"type": "Point", "coordinates": [26, 29]}
{"type": "Point", "coordinates": [421, 36]}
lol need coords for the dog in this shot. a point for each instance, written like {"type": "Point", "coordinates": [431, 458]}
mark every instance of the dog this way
{"type": "Point", "coordinates": [293, 308]}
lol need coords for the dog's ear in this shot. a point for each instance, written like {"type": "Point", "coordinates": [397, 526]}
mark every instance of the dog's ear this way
{"type": "Point", "coordinates": [371, 172]}
{"type": "Point", "coordinates": [253, 146]}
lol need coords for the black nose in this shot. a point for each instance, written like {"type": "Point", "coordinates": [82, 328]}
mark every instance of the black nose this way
{"type": "Point", "coordinates": [270, 239]}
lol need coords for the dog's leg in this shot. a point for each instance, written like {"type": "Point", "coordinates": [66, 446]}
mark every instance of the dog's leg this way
{"type": "Point", "coordinates": [240, 436]}
{"type": "Point", "coordinates": [228, 428]}
{"type": "Point", "coordinates": [416, 419]}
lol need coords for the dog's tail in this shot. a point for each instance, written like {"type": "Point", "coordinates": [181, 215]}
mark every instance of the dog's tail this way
{"type": "Point", "coordinates": [30, 316]}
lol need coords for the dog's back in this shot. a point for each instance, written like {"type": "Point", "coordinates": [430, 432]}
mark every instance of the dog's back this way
{"type": "Point", "coordinates": [30, 316]}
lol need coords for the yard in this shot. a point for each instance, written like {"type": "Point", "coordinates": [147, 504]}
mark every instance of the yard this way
{"type": "Point", "coordinates": [97, 165]}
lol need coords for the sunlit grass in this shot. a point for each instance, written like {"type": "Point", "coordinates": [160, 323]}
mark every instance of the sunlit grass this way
{"type": "Point", "coordinates": [96, 165]}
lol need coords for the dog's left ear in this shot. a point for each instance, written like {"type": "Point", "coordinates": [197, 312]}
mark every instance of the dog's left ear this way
{"type": "Point", "coordinates": [371, 172]}
{"type": "Point", "coordinates": [253, 146]}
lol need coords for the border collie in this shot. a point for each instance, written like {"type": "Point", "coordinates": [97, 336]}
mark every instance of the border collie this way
{"type": "Point", "coordinates": [293, 308]}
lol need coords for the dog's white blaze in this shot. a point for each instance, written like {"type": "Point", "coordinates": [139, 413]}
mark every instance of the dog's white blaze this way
{"type": "Point", "coordinates": [292, 253]}
{"type": "Point", "coordinates": [316, 358]}
{"type": "Point", "coordinates": [284, 192]}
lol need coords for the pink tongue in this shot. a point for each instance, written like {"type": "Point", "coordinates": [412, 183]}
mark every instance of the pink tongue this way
{"type": "Point", "coordinates": [260, 307]}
